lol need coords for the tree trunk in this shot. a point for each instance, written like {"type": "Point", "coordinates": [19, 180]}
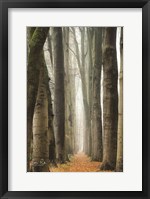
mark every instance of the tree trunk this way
{"type": "Point", "coordinates": [40, 159]}
{"type": "Point", "coordinates": [69, 102]}
{"type": "Point", "coordinates": [97, 152]}
{"type": "Point", "coordinates": [119, 165]}
{"type": "Point", "coordinates": [90, 36]}
{"type": "Point", "coordinates": [72, 108]}
{"type": "Point", "coordinates": [33, 69]}
{"type": "Point", "coordinates": [49, 42]}
{"type": "Point", "coordinates": [52, 147]}
{"type": "Point", "coordinates": [59, 104]}
{"type": "Point", "coordinates": [81, 65]}
{"type": "Point", "coordinates": [110, 100]}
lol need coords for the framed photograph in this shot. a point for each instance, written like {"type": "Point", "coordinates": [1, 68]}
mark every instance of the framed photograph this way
{"type": "Point", "coordinates": [74, 99]}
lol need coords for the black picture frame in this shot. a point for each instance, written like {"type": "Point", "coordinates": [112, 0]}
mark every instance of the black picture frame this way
{"type": "Point", "coordinates": [4, 6]}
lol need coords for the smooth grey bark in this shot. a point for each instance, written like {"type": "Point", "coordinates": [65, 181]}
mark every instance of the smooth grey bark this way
{"type": "Point", "coordinates": [50, 84]}
{"type": "Point", "coordinates": [40, 158]}
{"type": "Point", "coordinates": [97, 149]}
{"type": "Point", "coordinates": [90, 41]}
{"type": "Point", "coordinates": [49, 42]}
{"type": "Point", "coordinates": [85, 93]}
{"type": "Point", "coordinates": [52, 147]}
{"type": "Point", "coordinates": [36, 42]}
{"type": "Point", "coordinates": [72, 108]}
{"type": "Point", "coordinates": [69, 96]}
{"type": "Point", "coordinates": [110, 99]}
{"type": "Point", "coordinates": [59, 103]}
{"type": "Point", "coordinates": [119, 165]}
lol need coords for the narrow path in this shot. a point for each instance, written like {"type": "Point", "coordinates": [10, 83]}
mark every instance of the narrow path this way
{"type": "Point", "coordinates": [78, 163]}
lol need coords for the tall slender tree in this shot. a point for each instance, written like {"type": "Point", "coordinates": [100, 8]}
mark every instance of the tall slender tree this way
{"type": "Point", "coordinates": [97, 148]}
{"type": "Point", "coordinates": [119, 165]}
{"type": "Point", "coordinates": [69, 88]}
{"type": "Point", "coordinates": [81, 65]}
{"type": "Point", "coordinates": [110, 99]}
{"type": "Point", "coordinates": [59, 103]}
{"type": "Point", "coordinates": [36, 42]}
{"type": "Point", "coordinates": [91, 46]}
{"type": "Point", "coordinates": [40, 159]}
{"type": "Point", "coordinates": [52, 146]}
{"type": "Point", "coordinates": [49, 43]}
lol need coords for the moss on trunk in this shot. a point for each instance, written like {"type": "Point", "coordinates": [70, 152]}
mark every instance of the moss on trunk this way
{"type": "Point", "coordinates": [37, 41]}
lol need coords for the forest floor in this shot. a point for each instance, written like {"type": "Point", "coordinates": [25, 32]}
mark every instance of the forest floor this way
{"type": "Point", "coordinates": [78, 163]}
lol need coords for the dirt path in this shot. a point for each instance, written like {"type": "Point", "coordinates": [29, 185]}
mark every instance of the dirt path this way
{"type": "Point", "coordinates": [78, 163]}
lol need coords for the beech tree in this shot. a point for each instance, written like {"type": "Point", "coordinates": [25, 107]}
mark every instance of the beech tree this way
{"type": "Point", "coordinates": [40, 158]}
{"type": "Point", "coordinates": [91, 57]}
{"type": "Point", "coordinates": [59, 104]}
{"type": "Point", "coordinates": [119, 165]}
{"type": "Point", "coordinates": [110, 99]}
{"type": "Point", "coordinates": [69, 99]}
{"type": "Point", "coordinates": [52, 146]}
{"type": "Point", "coordinates": [36, 42]}
{"type": "Point", "coordinates": [81, 65]}
{"type": "Point", "coordinates": [97, 148]}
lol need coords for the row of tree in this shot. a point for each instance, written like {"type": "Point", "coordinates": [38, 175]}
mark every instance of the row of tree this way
{"type": "Point", "coordinates": [74, 54]}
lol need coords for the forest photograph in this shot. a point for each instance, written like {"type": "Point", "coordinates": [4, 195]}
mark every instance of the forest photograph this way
{"type": "Point", "coordinates": [74, 99]}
